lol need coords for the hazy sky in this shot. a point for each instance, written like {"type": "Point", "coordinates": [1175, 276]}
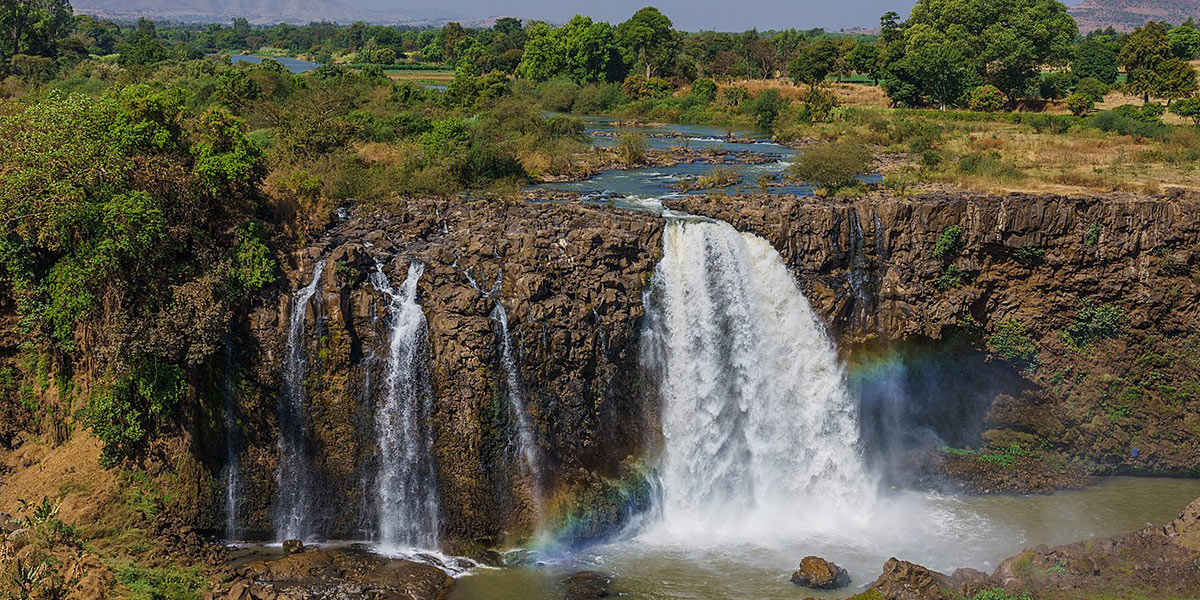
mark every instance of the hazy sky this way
{"type": "Point", "coordinates": [690, 15]}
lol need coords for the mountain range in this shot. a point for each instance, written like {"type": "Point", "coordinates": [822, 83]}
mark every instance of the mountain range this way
{"type": "Point", "coordinates": [1124, 15]}
{"type": "Point", "coordinates": [263, 12]}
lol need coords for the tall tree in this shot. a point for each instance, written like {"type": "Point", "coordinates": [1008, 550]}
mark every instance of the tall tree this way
{"type": "Point", "coordinates": [814, 63]}
{"type": "Point", "coordinates": [33, 26]}
{"type": "Point", "coordinates": [1143, 55]}
{"type": "Point", "coordinates": [1096, 59]}
{"type": "Point", "coordinates": [650, 36]}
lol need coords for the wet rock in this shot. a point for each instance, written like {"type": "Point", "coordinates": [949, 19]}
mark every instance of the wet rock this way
{"type": "Point", "coordinates": [293, 546]}
{"type": "Point", "coordinates": [350, 573]}
{"type": "Point", "coordinates": [586, 585]}
{"type": "Point", "coordinates": [818, 573]}
{"type": "Point", "coordinates": [903, 580]}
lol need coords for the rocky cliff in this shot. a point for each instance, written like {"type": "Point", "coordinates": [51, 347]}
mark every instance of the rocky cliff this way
{"type": "Point", "coordinates": [570, 279]}
{"type": "Point", "coordinates": [1092, 303]}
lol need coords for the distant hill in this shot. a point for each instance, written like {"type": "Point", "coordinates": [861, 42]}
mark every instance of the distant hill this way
{"type": "Point", "coordinates": [259, 12]}
{"type": "Point", "coordinates": [1124, 15]}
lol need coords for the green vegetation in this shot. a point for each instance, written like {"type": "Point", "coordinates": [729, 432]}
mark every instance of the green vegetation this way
{"type": "Point", "coordinates": [1095, 323]}
{"type": "Point", "coordinates": [949, 244]}
{"type": "Point", "coordinates": [163, 583]}
{"type": "Point", "coordinates": [832, 165]}
{"type": "Point", "coordinates": [1007, 457]}
{"type": "Point", "coordinates": [1012, 342]}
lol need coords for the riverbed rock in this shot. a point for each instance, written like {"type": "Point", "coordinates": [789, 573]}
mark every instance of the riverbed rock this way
{"type": "Point", "coordinates": [586, 585]}
{"type": "Point", "coordinates": [349, 573]}
{"type": "Point", "coordinates": [293, 546]}
{"type": "Point", "coordinates": [903, 580]}
{"type": "Point", "coordinates": [818, 573]}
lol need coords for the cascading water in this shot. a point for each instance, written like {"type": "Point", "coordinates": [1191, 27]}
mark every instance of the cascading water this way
{"type": "Point", "coordinates": [292, 505]}
{"type": "Point", "coordinates": [408, 508]}
{"type": "Point", "coordinates": [761, 437]}
{"type": "Point", "coordinates": [233, 443]}
{"type": "Point", "coordinates": [526, 444]}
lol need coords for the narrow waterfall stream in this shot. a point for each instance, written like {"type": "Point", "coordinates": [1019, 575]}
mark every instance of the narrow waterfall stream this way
{"type": "Point", "coordinates": [408, 504]}
{"type": "Point", "coordinates": [232, 478]}
{"type": "Point", "coordinates": [293, 504]}
{"type": "Point", "coordinates": [761, 437]}
{"type": "Point", "coordinates": [526, 443]}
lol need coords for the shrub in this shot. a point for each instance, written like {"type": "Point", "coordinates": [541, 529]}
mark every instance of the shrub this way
{"type": "Point", "coordinates": [986, 98]}
{"type": "Point", "coordinates": [1119, 122]}
{"type": "Point", "coordinates": [704, 90]}
{"type": "Point", "coordinates": [818, 106]}
{"type": "Point", "coordinates": [766, 107]}
{"type": "Point", "coordinates": [1011, 342]}
{"type": "Point", "coordinates": [131, 409]}
{"type": "Point", "coordinates": [638, 87]}
{"type": "Point", "coordinates": [253, 265]}
{"type": "Point", "coordinates": [631, 148]}
{"type": "Point", "coordinates": [1056, 85]}
{"type": "Point", "coordinates": [562, 126]}
{"type": "Point", "coordinates": [598, 98]}
{"type": "Point", "coordinates": [990, 165]}
{"type": "Point", "coordinates": [1029, 254]}
{"type": "Point", "coordinates": [1092, 88]}
{"type": "Point", "coordinates": [1188, 108]}
{"type": "Point", "coordinates": [832, 165]}
{"type": "Point", "coordinates": [1053, 123]}
{"type": "Point", "coordinates": [953, 277]}
{"type": "Point", "coordinates": [949, 244]}
{"type": "Point", "coordinates": [1080, 104]}
{"type": "Point", "coordinates": [735, 96]}
{"type": "Point", "coordinates": [1096, 323]}
{"type": "Point", "coordinates": [1092, 235]}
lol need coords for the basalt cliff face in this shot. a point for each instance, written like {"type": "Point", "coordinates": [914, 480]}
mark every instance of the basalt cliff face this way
{"type": "Point", "coordinates": [1095, 302]}
{"type": "Point", "coordinates": [570, 280]}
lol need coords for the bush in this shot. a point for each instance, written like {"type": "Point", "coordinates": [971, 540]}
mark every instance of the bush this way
{"type": "Point", "coordinates": [990, 165]}
{"type": "Point", "coordinates": [1119, 122]}
{"type": "Point", "coordinates": [1055, 86]}
{"type": "Point", "coordinates": [818, 106]}
{"type": "Point", "coordinates": [631, 148]}
{"type": "Point", "coordinates": [253, 265]}
{"type": "Point", "coordinates": [832, 165]}
{"type": "Point", "coordinates": [704, 90]}
{"type": "Point", "coordinates": [986, 98]}
{"type": "Point", "coordinates": [735, 96]}
{"type": "Point", "coordinates": [1092, 88]}
{"type": "Point", "coordinates": [949, 244]}
{"type": "Point", "coordinates": [638, 87]}
{"type": "Point", "coordinates": [1096, 323]}
{"type": "Point", "coordinates": [1188, 108]}
{"type": "Point", "coordinates": [1011, 342]}
{"type": "Point", "coordinates": [766, 107]}
{"type": "Point", "coordinates": [598, 98]}
{"type": "Point", "coordinates": [130, 410]}
{"type": "Point", "coordinates": [1080, 104]}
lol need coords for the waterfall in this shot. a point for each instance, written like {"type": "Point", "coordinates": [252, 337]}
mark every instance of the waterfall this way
{"type": "Point", "coordinates": [761, 436]}
{"type": "Point", "coordinates": [408, 506]}
{"type": "Point", "coordinates": [526, 444]}
{"type": "Point", "coordinates": [233, 442]}
{"type": "Point", "coordinates": [293, 503]}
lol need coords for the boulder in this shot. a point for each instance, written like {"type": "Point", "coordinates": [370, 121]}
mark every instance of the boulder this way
{"type": "Point", "coordinates": [902, 580]}
{"type": "Point", "coordinates": [586, 585]}
{"type": "Point", "coordinates": [820, 574]}
{"type": "Point", "coordinates": [293, 546]}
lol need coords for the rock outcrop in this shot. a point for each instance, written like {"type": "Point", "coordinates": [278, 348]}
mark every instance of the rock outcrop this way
{"type": "Point", "coordinates": [570, 279]}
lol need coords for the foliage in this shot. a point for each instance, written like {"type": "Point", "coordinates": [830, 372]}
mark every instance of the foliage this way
{"type": "Point", "coordinates": [253, 265]}
{"type": "Point", "coordinates": [131, 408]}
{"type": "Point", "coordinates": [831, 165]}
{"type": "Point", "coordinates": [582, 50]}
{"type": "Point", "coordinates": [766, 107]}
{"type": "Point", "coordinates": [1095, 59]}
{"type": "Point", "coordinates": [1080, 104]}
{"type": "Point", "coordinates": [952, 278]}
{"type": "Point", "coordinates": [949, 244]}
{"type": "Point", "coordinates": [1092, 88]}
{"type": "Point", "coordinates": [162, 583]}
{"type": "Point", "coordinates": [1145, 52]}
{"type": "Point", "coordinates": [814, 62]}
{"type": "Point", "coordinates": [631, 148]}
{"type": "Point", "coordinates": [650, 36]}
{"type": "Point", "coordinates": [1185, 40]}
{"type": "Point", "coordinates": [704, 90]}
{"type": "Point", "coordinates": [1006, 457]}
{"type": "Point", "coordinates": [1188, 108]}
{"type": "Point", "coordinates": [986, 98]}
{"type": "Point", "coordinates": [1096, 323]}
{"type": "Point", "coordinates": [638, 87]}
{"type": "Point", "coordinates": [1092, 235]}
{"type": "Point", "coordinates": [1012, 342]}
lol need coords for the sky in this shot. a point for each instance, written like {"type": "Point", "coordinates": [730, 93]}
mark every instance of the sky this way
{"type": "Point", "coordinates": [689, 15]}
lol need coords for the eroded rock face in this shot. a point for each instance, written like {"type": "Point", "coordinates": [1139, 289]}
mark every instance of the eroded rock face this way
{"type": "Point", "coordinates": [902, 580]}
{"type": "Point", "coordinates": [1023, 269]}
{"type": "Point", "coordinates": [820, 574]}
{"type": "Point", "coordinates": [339, 573]}
{"type": "Point", "coordinates": [570, 279]}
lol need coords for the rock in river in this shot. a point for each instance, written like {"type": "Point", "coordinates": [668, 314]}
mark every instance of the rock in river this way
{"type": "Point", "coordinates": [818, 573]}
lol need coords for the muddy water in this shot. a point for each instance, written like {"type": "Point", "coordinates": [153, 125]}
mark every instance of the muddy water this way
{"type": "Point", "coordinates": [937, 531]}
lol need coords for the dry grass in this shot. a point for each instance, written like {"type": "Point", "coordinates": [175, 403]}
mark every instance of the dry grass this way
{"type": "Point", "coordinates": [848, 94]}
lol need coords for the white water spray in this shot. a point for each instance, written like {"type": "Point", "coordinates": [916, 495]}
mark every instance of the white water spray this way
{"type": "Point", "coordinates": [292, 505]}
{"type": "Point", "coordinates": [406, 487]}
{"type": "Point", "coordinates": [531, 465]}
{"type": "Point", "coordinates": [761, 435]}
{"type": "Point", "coordinates": [233, 477]}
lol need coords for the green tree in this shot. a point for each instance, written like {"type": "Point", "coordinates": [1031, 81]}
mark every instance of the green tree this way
{"type": "Point", "coordinates": [33, 27]}
{"type": "Point", "coordinates": [1092, 88]}
{"type": "Point", "coordinates": [986, 98]}
{"type": "Point", "coordinates": [1001, 42]}
{"type": "Point", "coordinates": [591, 51]}
{"type": "Point", "coordinates": [1080, 103]}
{"type": "Point", "coordinates": [814, 63]}
{"type": "Point", "coordinates": [544, 55]}
{"type": "Point", "coordinates": [650, 36]}
{"type": "Point", "coordinates": [864, 59]}
{"type": "Point", "coordinates": [704, 90]}
{"type": "Point", "coordinates": [1096, 59]}
{"type": "Point", "coordinates": [1185, 40]}
{"type": "Point", "coordinates": [1174, 79]}
{"type": "Point", "coordinates": [143, 46]}
{"type": "Point", "coordinates": [1143, 55]}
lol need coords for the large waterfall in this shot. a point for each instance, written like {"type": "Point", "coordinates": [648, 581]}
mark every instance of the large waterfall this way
{"type": "Point", "coordinates": [526, 444]}
{"type": "Point", "coordinates": [761, 436]}
{"type": "Point", "coordinates": [408, 509]}
{"type": "Point", "coordinates": [292, 504]}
